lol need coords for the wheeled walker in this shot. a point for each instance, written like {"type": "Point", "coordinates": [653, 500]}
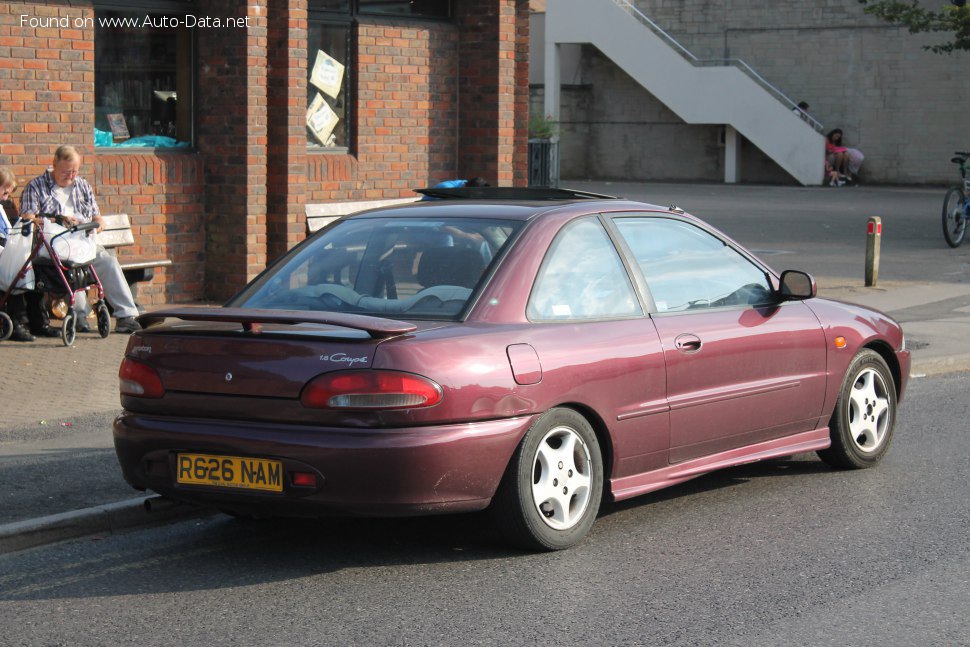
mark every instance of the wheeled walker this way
{"type": "Point", "coordinates": [59, 279]}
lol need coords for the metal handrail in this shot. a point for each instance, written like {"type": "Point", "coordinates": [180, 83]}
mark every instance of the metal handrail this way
{"type": "Point", "coordinates": [735, 62]}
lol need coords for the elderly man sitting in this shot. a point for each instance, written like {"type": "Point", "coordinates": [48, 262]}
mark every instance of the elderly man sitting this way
{"type": "Point", "coordinates": [61, 192]}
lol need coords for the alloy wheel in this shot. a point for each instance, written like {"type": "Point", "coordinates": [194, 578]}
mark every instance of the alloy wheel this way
{"type": "Point", "coordinates": [561, 483]}
{"type": "Point", "coordinates": [870, 414]}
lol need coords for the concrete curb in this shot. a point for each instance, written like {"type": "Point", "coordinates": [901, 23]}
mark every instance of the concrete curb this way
{"type": "Point", "coordinates": [940, 365]}
{"type": "Point", "coordinates": [108, 519]}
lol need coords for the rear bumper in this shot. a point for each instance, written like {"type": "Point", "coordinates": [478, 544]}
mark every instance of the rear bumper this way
{"type": "Point", "coordinates": [380, 472]}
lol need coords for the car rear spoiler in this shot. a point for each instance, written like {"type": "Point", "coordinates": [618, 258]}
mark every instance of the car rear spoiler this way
{"type": "Point", "coordinates": [250, 318]}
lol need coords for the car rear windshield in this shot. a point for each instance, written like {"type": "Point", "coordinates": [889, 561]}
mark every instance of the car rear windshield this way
{"type": "Point", "coordinates": [391, 267]}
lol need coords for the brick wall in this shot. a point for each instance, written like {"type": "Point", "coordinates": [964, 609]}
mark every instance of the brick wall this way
{"type": "Point", "coordinates": [331, 177]}
{"type": "Point", "coordinates": [286, 174]}
{"type": "Point", "coordinates": [232, 135]}
{"type": "Point", "coordinates": [493, 90]}
{"type": "Point", "coordinates": [407, 111]}
{"type": "Point", "coordinates": [46, 84]}
{"type": "Point", "coordinates": [520, 120]}
{"type": "Point", "coordinates": [435, 101]}
{"type": "Point", "coordinates": [164, 196]}
{"type": "Point", "coordinates": [222, 212]}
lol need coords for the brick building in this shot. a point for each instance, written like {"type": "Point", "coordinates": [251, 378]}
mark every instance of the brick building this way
{"type": "Point", "coordinates": [215, 123]}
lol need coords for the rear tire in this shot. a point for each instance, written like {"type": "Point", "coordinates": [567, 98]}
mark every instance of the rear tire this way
{"type": "Point", "coordinates": [954, 217]}
{"type": "Point", "coordinates": [862, 424]}
{"type": "Point", "coordinates": [551, 491]}
{"type": "Point", "coordinates": [6, 326]}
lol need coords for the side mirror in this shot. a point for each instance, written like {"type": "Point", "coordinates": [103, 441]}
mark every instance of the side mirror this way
{"type": "Point", "coordinates": [797, 286]}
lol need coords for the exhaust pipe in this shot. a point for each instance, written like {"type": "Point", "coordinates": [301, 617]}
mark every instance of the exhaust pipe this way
{"type": "Point", "coordinates": [159, 503]}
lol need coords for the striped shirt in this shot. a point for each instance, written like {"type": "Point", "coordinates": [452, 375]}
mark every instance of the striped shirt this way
{"type": "Point", "coordinates": [38, 198]}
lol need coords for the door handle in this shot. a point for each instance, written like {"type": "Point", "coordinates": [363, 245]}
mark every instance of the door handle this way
{"type": "Point", "coordinates": [688, 343]}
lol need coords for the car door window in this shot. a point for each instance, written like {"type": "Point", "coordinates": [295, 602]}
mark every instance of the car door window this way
{"type": "Point", "coordinates": [687, 268]}
{"type": "Point", "coordinates": [582, 277]}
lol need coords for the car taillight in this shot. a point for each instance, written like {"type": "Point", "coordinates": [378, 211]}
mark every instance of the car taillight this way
{"type": "Point", "coordinates": [370, 390]}
{"type": "Point", "coordinates": [139, 379]}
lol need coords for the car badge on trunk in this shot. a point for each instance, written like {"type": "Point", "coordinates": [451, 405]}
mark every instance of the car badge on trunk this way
{"type": "Point", "coordinates": [228, 377]}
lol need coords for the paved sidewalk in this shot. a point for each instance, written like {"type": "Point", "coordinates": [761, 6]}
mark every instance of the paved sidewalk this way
{"type": "Point", "coordinates": [934, 316]}
{"type": "Point", "coordinates": [52, 384]}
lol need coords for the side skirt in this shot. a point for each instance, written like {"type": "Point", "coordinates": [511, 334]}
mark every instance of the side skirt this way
{"type": "Point", "coordinates": [631, 486]}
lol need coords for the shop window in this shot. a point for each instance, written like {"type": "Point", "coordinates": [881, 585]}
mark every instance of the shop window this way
{"type": "Point", "coordinates": [328, 85]}
{"type": "Point", "coordinates": [142, 79]}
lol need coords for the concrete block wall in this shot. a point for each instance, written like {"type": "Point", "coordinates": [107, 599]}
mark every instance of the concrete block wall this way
{"type": "Point", "coordinates": [902, 106]}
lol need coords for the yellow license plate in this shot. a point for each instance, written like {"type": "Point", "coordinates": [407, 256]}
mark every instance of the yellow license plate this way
{"type": "Point", "coordinates": [229, 472]}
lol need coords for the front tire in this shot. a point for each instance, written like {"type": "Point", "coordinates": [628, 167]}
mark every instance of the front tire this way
{"type": "Point", "coordinates": [104, 320]}
{"type": "Point", "coordinates": [69, 328]}
{"type": "Point", "coordinates": [865, 414]}
{"type": "Point", "coordinates": [551, 491]}
{"type": "Point", "coordinates": [954, 217]}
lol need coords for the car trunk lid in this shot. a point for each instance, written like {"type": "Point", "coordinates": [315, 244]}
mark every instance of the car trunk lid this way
{"type": "Point", "coordinates": [243, 352]}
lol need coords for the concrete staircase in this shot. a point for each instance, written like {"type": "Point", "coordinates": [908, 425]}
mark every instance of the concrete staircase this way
{"type": "Point", "coordinates": [729, 94]}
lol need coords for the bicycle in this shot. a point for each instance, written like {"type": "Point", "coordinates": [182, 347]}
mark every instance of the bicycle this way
{"type": "Point", "coordinates": [956, 205]}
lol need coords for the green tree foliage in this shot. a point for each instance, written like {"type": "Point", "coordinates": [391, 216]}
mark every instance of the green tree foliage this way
{"type": "Point", "coordinates": [954, 17]}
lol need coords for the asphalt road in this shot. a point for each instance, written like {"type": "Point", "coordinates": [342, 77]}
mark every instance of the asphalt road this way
{"type": "Point", "coordinates": [781, 552]}
{"type": "Point", "coordinates": [51, 469]}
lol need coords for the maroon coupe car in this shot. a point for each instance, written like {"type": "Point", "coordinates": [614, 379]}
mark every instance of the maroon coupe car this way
{"type": "Point", "coordinates": [526, 351]}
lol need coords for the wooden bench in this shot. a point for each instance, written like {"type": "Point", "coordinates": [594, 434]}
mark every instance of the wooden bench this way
{"type": "Point", "coordinates": [320, 215]}
{"type": "Point", "coordinates": [117, 233]}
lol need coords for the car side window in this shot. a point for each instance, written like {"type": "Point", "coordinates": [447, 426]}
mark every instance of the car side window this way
{"type": "Point", "coordinates": [582, 278]}
{"type": "Point", "coordinates": [687, 268]}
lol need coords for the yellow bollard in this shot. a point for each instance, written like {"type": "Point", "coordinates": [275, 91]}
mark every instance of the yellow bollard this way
{"type": "Point", "coordinates": [873, 237]}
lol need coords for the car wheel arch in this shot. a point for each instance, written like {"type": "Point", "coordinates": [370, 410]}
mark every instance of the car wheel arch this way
{"type": "Point", "coordinates": [602, 437]}
{"type": "Point", "coordinates": [887, 354]}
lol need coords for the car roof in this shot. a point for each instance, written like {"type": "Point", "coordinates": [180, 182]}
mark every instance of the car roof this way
{"type": "Point", "coordinates": [509, 203]}
{"type": "Point", "coordinates": [511, 193]}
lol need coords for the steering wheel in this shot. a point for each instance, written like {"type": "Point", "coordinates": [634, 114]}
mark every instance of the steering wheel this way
{"type": "Point", "coordinates": [337, 297]}
{"type": "Point", "coordinates": [332, 302]}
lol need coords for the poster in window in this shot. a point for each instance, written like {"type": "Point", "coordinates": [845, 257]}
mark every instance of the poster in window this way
{"type": "Point", "coordinates": [321, 119]}
{"type": "Point", "coordinates": [119, 129]}
{"type": "Point", "coordinates": [327, 75]}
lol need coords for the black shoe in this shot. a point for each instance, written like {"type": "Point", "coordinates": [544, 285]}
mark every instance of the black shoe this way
{"type": "Point", "coordinates": [83, 327]}
{"type": "Point", "coordinates": [127, 325]}
{"type": "Point", "coordinates": [47, 331]}
{"type": "Point", "coordinates": [20, 333]}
